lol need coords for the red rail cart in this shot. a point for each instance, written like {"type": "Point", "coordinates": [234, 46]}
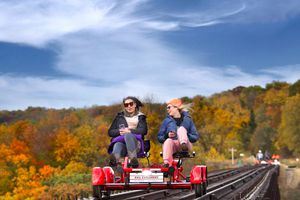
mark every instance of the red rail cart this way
{"type": "Point", "coordinates": [104, 180]}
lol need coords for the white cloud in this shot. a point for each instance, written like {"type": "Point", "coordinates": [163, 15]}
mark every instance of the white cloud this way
{"type": "Point", "coordinates": [117, 56]}
{"type": "Point", "coordinates": [111, 50]}
{"type": "Point", "coordinates": [267, 11]}
{"type": "Point", "coordinates": [160, 25]}
{"type": "Point", "coordinates": [21, 92]}
{"type": "Point", "coordinates": [37, 22]}
{"type": "Point", "coordinates": [288, 73]}
{"type": "Point", "coordinates": [211, 14]}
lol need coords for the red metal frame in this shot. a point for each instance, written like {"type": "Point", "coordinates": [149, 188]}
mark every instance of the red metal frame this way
{"type": "Point", "coordinates": [98, 176]}
{"type": "Point", "coordinates": [105, 177]}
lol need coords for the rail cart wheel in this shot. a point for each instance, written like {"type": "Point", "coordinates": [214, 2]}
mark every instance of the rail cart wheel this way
{"type": "Point", "coordinates": [204, 188]}
{"type": "Point", "coordinates": [107, 193]}
{"type": "Point", "coordinates": [97, 192]}
{"type": "Point", "coordinates": [188, 179]}
{"type": "Point", "coordinates": [198, 190]}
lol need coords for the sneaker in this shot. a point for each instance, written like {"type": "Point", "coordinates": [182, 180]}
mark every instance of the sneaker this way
{"type": "Point", "coordinates": [166, 174]}
{"type": "Point", "coordinates": [112, 161]}
{"type": "Point", "coordinates": [184, 147]}
{"type": "Point", "coordinates": [134, 163]}
{"type": "Point", "coordinates": [171, 170]}
{"type": "Point", "coordinates": [166, 165]}
{"type": "Point", "coordinates": [119, 169]}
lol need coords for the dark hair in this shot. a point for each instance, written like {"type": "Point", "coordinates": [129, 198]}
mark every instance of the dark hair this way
{"type": "Point", "coordinates": [136, 101]}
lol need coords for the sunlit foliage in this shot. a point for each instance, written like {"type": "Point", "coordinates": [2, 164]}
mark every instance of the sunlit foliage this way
{"type": "Point", "coordinates": [290, 127]}
{"type": "Point", "coordinates": [49, 153]}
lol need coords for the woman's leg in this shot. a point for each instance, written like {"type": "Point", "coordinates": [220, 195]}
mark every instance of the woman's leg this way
{"type": "Point", "coordinates": [170, 146]}
{"type": "Point", "coordinates": [131, 145]}
{"type": "Point", "coordinates": [119, 150]}
{"type": "Point", "coordinates": [183, 138]}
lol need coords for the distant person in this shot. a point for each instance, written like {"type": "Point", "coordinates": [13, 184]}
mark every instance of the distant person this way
{"type": "Point", "coordinates": [177, 132]}
{"type": "Point", "coordinates": [267, 155]}
{"type": "Point", "coordinates": [127, 132]}
{"type": "Point", "coordinates": [275, 157]}
{"type": "Point", "coordinates": [259, 155]}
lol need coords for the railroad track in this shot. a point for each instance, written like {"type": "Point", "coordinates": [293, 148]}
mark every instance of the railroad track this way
{"type": "Point", "coordinates": [239, 183]}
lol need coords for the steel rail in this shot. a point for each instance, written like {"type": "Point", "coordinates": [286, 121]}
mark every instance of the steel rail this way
{"type": "Point", "coordinates": [225, 192]}
{"type": "Point", "coordinates": [224, 184]}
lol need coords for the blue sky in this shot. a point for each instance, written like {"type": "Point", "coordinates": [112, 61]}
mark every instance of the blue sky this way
{"type": "Point", "coordinates": [73, 53]}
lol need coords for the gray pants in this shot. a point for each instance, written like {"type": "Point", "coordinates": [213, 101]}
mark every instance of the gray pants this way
{"type": "Point", "coordinates": [130, 147]}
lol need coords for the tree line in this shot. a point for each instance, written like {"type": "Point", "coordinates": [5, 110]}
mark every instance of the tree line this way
{"type": "Point", "coordinates": [47, 152]}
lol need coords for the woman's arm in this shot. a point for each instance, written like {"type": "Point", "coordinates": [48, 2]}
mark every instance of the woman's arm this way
{"type": "Point", "coordinates": [113, 131]}
{"type": "Point", "coordinates": [189, 125]}
{"type": "Point", "coordinates": [162, 133]}
{"type": "Point", "coordinates": [193, 134]}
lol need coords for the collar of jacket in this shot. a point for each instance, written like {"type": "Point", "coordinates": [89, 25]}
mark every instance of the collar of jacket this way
{"type": "Point", "coordinates": [122, 114]}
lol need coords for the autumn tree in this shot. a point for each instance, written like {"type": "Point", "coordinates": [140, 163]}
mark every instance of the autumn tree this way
{"type": "Point", "coordinates": [290, 125]}
{"type": "Point", "coordinates": [294, 88]}
{"type": "Point", "coordinates": [155, 114]}
{"type": "Point", "coordinates": [86, 138]}
{"type": "Point", "coordinates": [67, 146]}
{"type": "Point", "coordinates": [229, 119]}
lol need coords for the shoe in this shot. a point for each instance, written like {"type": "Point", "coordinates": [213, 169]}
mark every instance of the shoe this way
{"type": "Point", "coordinates": [166, 174]}
{"type": "Point", "coordinates": [184, 147]}
{"type": "Point", "coordinates": [166, 165]}
{"type": "Point", "coordinates": [171, 170]}
{"type": "Point", "coordinates": [119, 169]}
{"type": "Point", "coordinates": [112, 161]}
{"type": "Point", "coordinates": [134, 163]}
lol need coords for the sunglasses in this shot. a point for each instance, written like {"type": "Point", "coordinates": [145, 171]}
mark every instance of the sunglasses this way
{"type": "Point", "coordinates": [128, 104]}
{"type": "Point", "coordinates": [169, 107]}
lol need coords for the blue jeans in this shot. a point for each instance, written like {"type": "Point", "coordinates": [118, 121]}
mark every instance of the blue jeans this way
{"type": "Point", "coordinates": [130, 147]}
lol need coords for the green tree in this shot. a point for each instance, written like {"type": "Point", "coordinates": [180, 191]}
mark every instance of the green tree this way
{"type": "Point", "coordinates": [277, 85]}
{"type": "Point", "coordinates": [294, 88]}
{"type": "Point", "coordinates": [249, 96]}
{"type": "Point", "coordinates": [290, 125]}
{"type": "Point", "coordinates": [263, 138]}
{"type": "Point", "coordinates": [221, 122]}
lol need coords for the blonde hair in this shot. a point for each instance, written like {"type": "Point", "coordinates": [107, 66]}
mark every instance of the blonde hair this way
{"type": "Point", "coordinates": [186, 107]}
{"type": "Point", "coordinates": [178, 104]}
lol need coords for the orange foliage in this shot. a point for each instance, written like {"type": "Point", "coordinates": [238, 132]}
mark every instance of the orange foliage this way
{"type": "Point", "coordinates": [102, 139]}
{"type": "Point", "coordinates": [71, 120]}
{"type": "Point", "coordinates": [27, 184]}
{"type": "Point", "coordinates": [19, 146]}
{"type": "Point", "coordinates": [73, 168]}
{"type": "Point", "coordinates": [47, 171]}
{"type": "Point", "coordinates": [18, 153]}
{"type": "Point", "coordinates": [75, 139]}
{"type": "Point", "coordinates": [67, 146]}
{"type": "Point", "coordinates": [5, 152]}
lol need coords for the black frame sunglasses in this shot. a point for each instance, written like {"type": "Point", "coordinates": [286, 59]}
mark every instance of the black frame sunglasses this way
{"type": "Point", "coordinates": [128, 104]}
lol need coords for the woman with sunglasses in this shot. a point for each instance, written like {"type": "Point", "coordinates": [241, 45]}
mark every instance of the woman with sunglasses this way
{"type": "Point", "coordinates": [177, 132]}
{"type": "Point", "coordinates": [127, 132]}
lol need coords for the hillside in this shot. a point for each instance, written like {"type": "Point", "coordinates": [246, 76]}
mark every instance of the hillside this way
{"type": "Point", "coordinates": [44, 150]}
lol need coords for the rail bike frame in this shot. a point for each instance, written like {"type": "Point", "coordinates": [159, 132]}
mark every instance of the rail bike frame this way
{"type": "Point", "coordinates": [104, 180]}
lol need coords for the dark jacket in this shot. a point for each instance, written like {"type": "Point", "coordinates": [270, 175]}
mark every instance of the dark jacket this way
{"type": "Point", "coordinates": [141, 128]}
{"type": "Point", "coordinates": [169, 124]}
